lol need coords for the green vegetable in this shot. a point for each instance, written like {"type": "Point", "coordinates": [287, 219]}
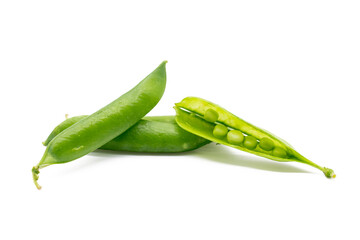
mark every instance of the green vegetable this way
{"type": "Point", "coordinates": [235, 137]}
{"type": "Point", "coordinates": [250, 142]}
{"type": "Point", "coordinates": [190, 114]}
{"type": "Point", "coordinates": [62, 126]}
{"type": "Point", "coordinates": [211, 115]}
{"type": "Point", "coordinates": [279, 152]}
{"type": "Point", "coordinates": [104, 125]}
{"type": "Point", "coordinates": [220, 131]}
{"type": "Point", "coordinates": [159, 134]}
{"type": "Point", "coordinates": [266, 144]}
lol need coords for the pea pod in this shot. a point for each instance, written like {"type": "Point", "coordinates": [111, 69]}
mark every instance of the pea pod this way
{"type": "Point", "coordinates": [201, 117]}
{"type": "Point", "coordinates": [104, 125]}
{"type": "Point", "coordinates": [155, 134]}
{"type": "Point", "coordinates": [62, 126]}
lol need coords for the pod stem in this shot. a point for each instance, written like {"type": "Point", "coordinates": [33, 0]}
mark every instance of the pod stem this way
{"type": "Point", "coordinates": [329, 173]}
{"type": "Point", "coordinates": [36, 169]}
{"type": "Point", "coordinates": [35, 174]}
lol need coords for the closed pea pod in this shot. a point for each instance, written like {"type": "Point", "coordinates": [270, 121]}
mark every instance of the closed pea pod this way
{"type": "Point", "coordinates": [104, 125]}
{"type": "Point", "coordinates": [62, 126]}
{"type": "Point", "coordinates": [190, 116]}
{"type": "Point", "coordinates": [156, 134]}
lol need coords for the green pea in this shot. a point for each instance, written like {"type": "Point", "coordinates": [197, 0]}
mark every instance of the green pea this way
{"type": "Point", "coordinates": [235, 137]}
{"type": "Point", "coordinates": [266, 144]}
{"type": "Point", "coordinates": [211, 115]}
{"type": "Point", "coordinates": [279, 152]}
{"type": "Point", "coordinates": [220, 131]}
{"type": "Point", "coordinates": [107, 123]}
{"type": "Point", "coordinates": [250, 142]}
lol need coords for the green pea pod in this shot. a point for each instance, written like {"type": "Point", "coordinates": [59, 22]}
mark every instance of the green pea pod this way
{"type": "Point", "coordinates": [62, 126]}
{"type": "Point", "coordinates": [104, 125]}
{"type": "Point", "coordinates": [207, 119]}
{"type": "Point", "coordinates": [155, 134]}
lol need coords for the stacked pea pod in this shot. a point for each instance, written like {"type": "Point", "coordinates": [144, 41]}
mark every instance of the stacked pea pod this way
{"type": "Point", "coordinates": [122, 126]}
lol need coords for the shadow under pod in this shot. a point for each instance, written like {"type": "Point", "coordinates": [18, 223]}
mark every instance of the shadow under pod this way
{"type": "Point", "coordinates": [211, 152]}
{"type": "Point", "coordinates": [223, 154]}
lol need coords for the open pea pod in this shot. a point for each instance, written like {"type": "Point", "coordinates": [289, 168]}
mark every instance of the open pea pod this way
{"type": "Point", "coordinates": [216, 124]}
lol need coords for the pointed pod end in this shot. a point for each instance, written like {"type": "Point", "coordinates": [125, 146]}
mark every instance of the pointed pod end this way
{"type": "Point", "coordinates": [162, 65]}
{"type": "Point", "coordinates": [329, 173]}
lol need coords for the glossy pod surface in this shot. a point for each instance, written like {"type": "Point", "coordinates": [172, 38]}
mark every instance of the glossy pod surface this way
{"type": "Point", "coordinates": [62, 126]}
{"type": "Point", "coordinates": [107, 123]}
{"type": "Point", "coordinates": [190, 115]}
{"type": "Point", "coordinates": [156, 134]}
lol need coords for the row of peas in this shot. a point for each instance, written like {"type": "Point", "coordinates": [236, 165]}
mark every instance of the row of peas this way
{"type": "Point", "coordinates": [237, 137]}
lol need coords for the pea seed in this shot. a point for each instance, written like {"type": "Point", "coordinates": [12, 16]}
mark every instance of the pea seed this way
{"type": "Point", "coordinates": [235, 137]}
{"type": "Point", "coordinates": [220, 131]}
{"type": "Point", "coordinates": [266, 144]}
{"type": "Point", "coordinates": [250, 142]}
{"type": "Point", "coordinates": [279, 152]}
{"type": "Point", "coordinates": [211, 115]}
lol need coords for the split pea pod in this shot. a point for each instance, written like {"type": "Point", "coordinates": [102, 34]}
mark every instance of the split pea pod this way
{"type": "Point", "coordinates": [216, 124]}
{"type": "Point", "coordinates": [153, 134]}
{"type": "Point", "coordinates": [104, 125]}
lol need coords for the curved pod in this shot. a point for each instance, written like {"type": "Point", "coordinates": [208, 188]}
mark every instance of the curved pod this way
{"type": "Point", "coordinates": [107, 123]}
{"type": "Point", "coordinates": [190, 115]}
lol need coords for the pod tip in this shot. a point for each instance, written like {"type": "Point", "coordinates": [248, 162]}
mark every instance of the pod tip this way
{"type": "Point", "coordinates": [329, 173]}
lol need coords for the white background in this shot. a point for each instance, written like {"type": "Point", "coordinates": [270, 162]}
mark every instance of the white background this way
{"type": "Point", "coordinates": [290, 67]}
